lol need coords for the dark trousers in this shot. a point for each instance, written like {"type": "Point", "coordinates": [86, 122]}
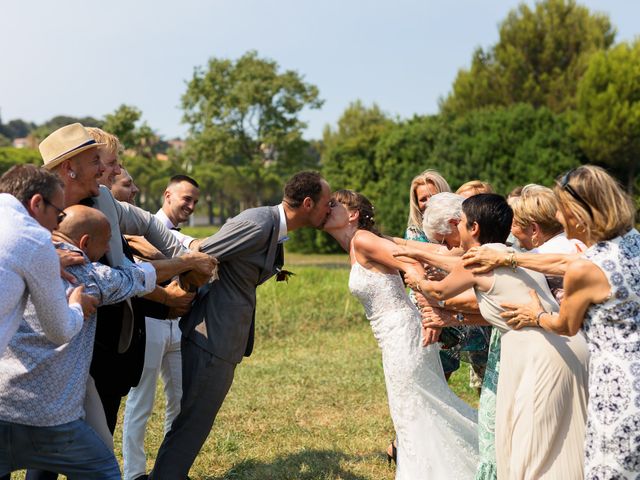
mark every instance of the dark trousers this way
{"type": "Point", "coordinates": [206, 380]}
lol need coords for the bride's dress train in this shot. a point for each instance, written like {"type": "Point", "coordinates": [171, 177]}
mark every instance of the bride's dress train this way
{"type": "Point", "coordinates": [436, 430]}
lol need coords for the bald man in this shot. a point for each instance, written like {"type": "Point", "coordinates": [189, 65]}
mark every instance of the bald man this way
{"type": "Point", "coordinates": [42, 388]}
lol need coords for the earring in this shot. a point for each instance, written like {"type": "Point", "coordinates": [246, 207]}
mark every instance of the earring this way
{"type": "Point", "coordinates": [72, 174]}
{"type": "Point", "coordinates": [578, 226]}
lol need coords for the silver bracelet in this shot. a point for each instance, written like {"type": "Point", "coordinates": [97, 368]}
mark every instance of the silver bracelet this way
{"type": "Point", "coordinates": [540, 313]}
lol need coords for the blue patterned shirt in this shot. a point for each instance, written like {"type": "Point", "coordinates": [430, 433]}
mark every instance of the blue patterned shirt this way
{"type": "Point", "coordinates": [42, 384]}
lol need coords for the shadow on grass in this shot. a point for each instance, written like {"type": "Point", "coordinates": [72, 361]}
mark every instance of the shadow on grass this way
{"type": "Point", "coordinates": [305, 465]}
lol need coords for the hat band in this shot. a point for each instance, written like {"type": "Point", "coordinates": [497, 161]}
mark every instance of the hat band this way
{"type": "Point", "coordinates": [89, 142]}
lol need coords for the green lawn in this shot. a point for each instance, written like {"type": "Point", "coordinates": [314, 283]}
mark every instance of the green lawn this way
{"type": "Point", "coordinates": [310, 402]}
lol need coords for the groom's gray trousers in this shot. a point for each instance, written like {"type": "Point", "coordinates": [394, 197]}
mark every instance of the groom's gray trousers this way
{"type": "Point", "coordinates": [206, 379]}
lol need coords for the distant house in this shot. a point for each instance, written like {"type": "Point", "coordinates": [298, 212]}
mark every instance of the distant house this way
{"type": "Point", "coordinates": [24, 142]}
{"type": "Point", "coordinates": [177, 144]}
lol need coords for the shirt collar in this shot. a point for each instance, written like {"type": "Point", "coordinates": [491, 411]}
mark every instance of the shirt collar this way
{"type": "Point", "coordinates": [282, 233]}
{"type": "Point", "coordinates": [160, 215]}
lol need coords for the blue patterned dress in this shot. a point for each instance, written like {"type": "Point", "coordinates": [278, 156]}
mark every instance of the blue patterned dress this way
{"type": "Point", "coordinates": [613, 333]}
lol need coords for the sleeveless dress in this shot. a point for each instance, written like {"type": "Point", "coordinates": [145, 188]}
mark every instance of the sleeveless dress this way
{"type": "Point", "coordinates": [541, 401]}
{"type": "Point", "coordinates": [436, 430]}
{"type": "Point", "coordinates": [613, 333]}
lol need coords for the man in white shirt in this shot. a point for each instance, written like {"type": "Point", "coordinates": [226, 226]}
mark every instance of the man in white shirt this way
{"type": "Point", "coordinates": [162, 350]}
{"type": "Point", "coordinates": [42, 386]}
{"type": "Point", "coordinates": [30, 208]}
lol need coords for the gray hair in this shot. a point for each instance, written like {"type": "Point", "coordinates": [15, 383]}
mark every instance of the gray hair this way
{"type": "Point", "coordinates": [440, 209]}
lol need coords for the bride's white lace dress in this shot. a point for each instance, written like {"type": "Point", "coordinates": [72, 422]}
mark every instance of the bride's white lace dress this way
{"type": "Point", "coordinates": [436, 430]}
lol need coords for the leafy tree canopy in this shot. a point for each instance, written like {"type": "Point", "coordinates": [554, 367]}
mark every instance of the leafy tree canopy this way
{"type": "Point", "coordinates": [245, 114]}
{"type": "Point", "coordinates": [541, 55]}
{"type": "Point", "coordinates": [607, 120]}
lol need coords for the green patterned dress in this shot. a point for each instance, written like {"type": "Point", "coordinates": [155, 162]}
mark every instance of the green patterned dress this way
{"type": "Point", "coordinates": [487, 412]}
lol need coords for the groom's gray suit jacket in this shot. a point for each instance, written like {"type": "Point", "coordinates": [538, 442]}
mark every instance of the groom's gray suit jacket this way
{"type": "Point", "coordinates": [221, 320]}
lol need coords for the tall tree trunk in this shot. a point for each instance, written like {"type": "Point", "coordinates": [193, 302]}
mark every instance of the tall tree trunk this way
{"type": "Point", "coordinates": [210, 209]}
{"type": "Point", "coordinates": [222, 207]}
{"type": "Point", "coordinates": [631, 177]}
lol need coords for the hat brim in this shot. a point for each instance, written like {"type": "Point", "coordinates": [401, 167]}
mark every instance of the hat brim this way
{"type": "Point", "coordinates": [58, 160]}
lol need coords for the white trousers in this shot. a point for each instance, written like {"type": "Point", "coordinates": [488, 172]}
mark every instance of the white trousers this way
{"type": "Point", "coordinates": [162, 357]}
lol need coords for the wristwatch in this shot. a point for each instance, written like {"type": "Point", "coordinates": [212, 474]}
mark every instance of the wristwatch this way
{"type": "Point", "coordinates": [460, 317]}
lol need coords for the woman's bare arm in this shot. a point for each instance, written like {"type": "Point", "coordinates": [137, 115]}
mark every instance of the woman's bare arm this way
{"type": "Point", "coordinates": [453, 284]}
{"type": "Point", "coordinates": [439, 257]}
{"type": "Point", "coordinates": [484, 259]}
{"type": "Point", "coordinates": [584, 284]}
{"type": "Point", "coordinates": [370, 248]}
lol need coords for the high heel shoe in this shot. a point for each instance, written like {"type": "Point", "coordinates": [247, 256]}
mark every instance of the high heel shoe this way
{"type": "Point", "coordinates": [392, 453]}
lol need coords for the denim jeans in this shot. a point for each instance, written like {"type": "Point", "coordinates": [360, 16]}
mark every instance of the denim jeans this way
{"type": "Point", "coordinates": [73, 449]}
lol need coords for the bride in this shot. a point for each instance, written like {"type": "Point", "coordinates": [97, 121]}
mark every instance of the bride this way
{"type": "Point", "coordinates": [436, 430]}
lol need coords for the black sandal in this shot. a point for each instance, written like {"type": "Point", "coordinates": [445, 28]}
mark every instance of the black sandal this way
{"type": "Point", "coordinates": [394, 453]}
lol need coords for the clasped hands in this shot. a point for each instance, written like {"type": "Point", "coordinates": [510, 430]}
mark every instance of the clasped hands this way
{"type": "Point", "coordinates": [203, 270]}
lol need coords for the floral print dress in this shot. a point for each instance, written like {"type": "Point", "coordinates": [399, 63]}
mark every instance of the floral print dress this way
{"type": "Point", "coordinates": [613, 333]}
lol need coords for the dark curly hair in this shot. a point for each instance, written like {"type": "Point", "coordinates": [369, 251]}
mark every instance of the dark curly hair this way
{"type": "Point", "coordinates": [357, 202]}
{"type": "Point", "coordinates": [302, 185]}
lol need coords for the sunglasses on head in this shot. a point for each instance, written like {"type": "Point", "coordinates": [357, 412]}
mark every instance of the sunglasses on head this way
{"type": "Point", "coordinates": [61, 214]}
{"type": "Point", "coordinates": [564, 184]}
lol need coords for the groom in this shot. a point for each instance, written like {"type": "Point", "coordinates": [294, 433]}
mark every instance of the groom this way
{"type": "Point", "coordinates": [219, 330]}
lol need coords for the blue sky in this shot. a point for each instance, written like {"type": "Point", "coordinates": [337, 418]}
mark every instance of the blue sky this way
{"type": "Point", "coordinates": [86, 58]}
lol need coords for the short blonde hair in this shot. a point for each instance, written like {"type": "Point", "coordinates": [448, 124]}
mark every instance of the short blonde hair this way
{"type": "Point", "coordinates": [536, 204]}
{"type": "Point", "coordinates": [426, 177]}
{"type": "Point", "coordinates": [112, 143]}
{"type": "Point", "coordinates": [602, 206]}
{"type": "Point", "coordinates": [475, 187]}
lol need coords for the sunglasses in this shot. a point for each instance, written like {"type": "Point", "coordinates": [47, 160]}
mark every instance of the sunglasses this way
{"type": "Point", "coordinates": [564, 184]}
{"type": "Point", "coordinates": [61, 214]}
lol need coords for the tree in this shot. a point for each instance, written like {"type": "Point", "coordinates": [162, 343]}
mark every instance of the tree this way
{"type": "Point", "coordinates": [539, 59]}
{"type": "Point", "coordinates": [348, 161]}
{"type": "Point", "coordinates": [607, 120]}
{"type": "Point", "coordinates": [10, 156]}
{"type": "Point", "coordinates": [16, 128]}
{"type": "Point", "coordinates": [348, 156]}
{"type": "Point", "coordinates": [244, 114]}
{"type": "Point", "coordinates": [59, 121]}
{"type": "Point", "coordinates": [123, 123]}
{"type": "Point", "coordinates": [506, 146]}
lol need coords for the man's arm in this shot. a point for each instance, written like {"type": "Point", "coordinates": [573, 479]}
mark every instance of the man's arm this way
{"type": "Point", "coordinates": [116, 284]}
{"type": "Point", "coordinates": [59, 320]}
{"type": "Point", "coordinates": [136, 221]}
{"type": "Point", "coordinates": [236, 238]}
{"type": "Point", "coordinates": [199, 262]}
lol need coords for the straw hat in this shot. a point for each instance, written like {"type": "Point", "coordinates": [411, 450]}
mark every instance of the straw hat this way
{"type": "Point", "coordinates": [66, 142]}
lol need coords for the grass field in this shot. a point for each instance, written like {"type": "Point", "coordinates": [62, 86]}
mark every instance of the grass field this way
{"type": "Point", "coordinates": [310, 402]}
